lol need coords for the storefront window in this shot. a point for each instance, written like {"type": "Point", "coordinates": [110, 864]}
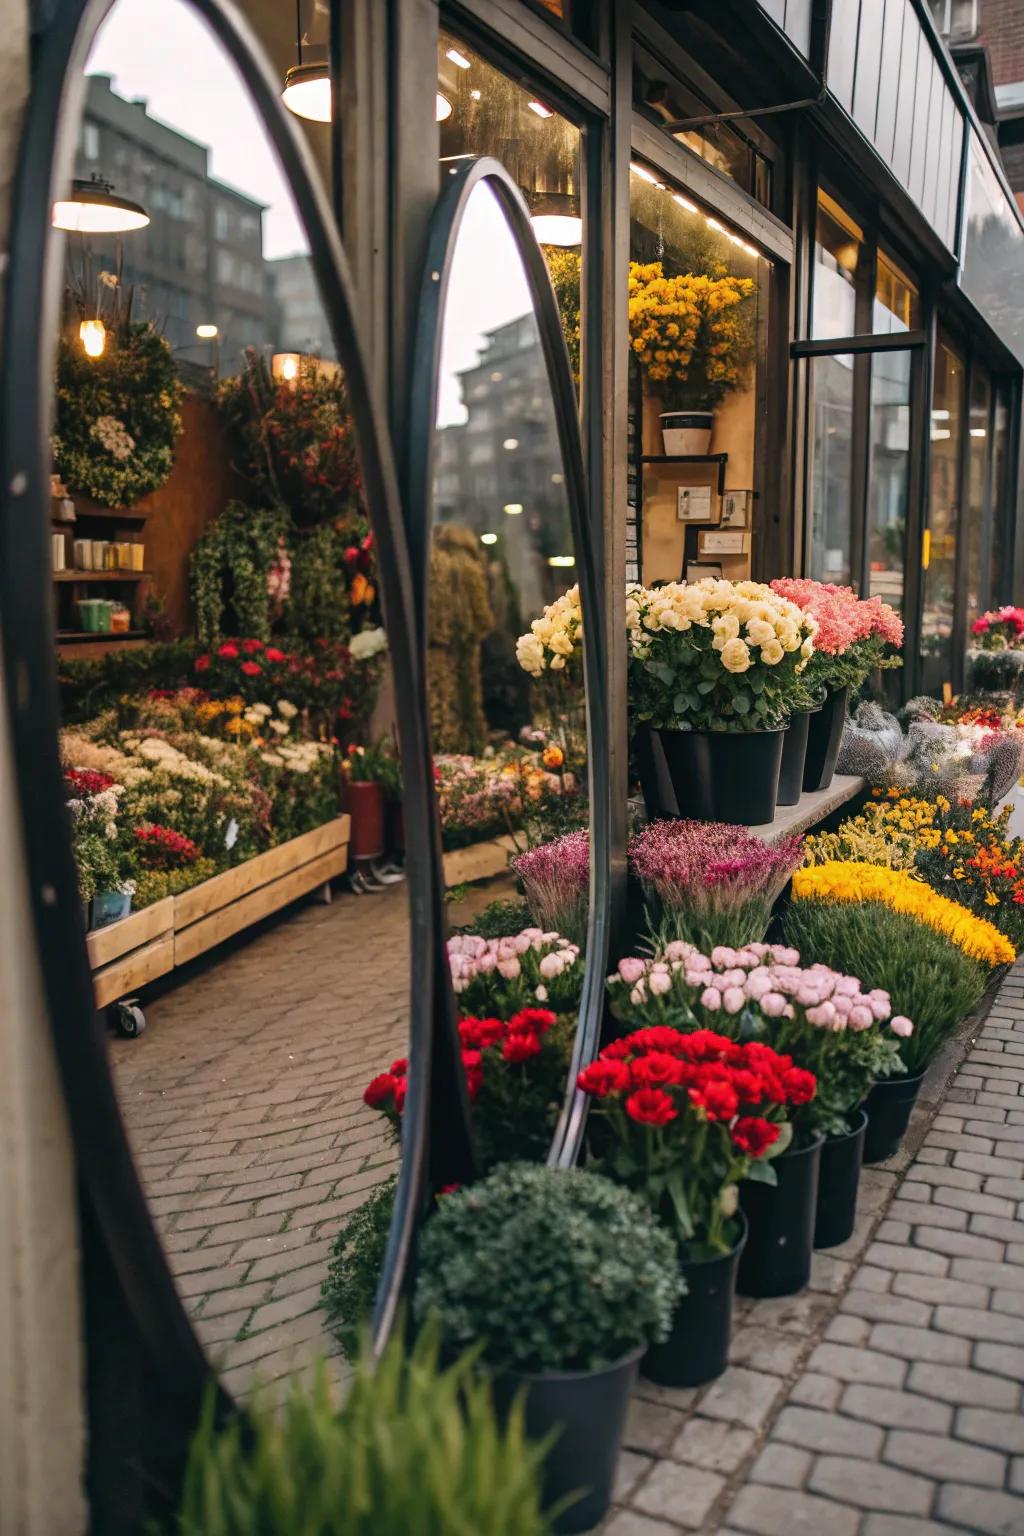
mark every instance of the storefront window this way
{"type": "Point", "coordinates": [888, 475]}
{"type": "Point", "coordinates": [721, 145]}
{"type": "Point", "coordinates": [939, 556]}
{"type": "Point", "coordinates": [979, 446]}
{"type": "Point", "coordinates": [832, 474]}
{"type": "Point", "coordinates": [897, 301]}
{"type": "Point", "coordinates": [999, 576]}
{"type": "Point", "coordinates": [839, 270]}
{"type": "Point", "coordinates": [698, 295]}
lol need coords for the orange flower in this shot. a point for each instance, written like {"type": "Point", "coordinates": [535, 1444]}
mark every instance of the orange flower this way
{"type": "Point", "coordinates": [554, 757]}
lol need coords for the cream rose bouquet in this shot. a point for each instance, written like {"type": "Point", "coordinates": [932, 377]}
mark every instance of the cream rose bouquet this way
{"type": "Point", "coordinates": [553, 642]}
{"type": "Point", "coordinates": [716, 655]}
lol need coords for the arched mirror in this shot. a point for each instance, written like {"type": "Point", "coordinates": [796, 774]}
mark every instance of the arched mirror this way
{"type": "Point", "coordinates": [513, 672]}
{"type": "Point", "coordinates": [208, 643]}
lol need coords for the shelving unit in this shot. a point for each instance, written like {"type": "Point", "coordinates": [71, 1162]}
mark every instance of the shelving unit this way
{"type": "Point", "coordinates": [126, 524]}
{"type": "Point", "coordinates": [82, 576]}
{"type": "Point", "coordinates": [690, 530]}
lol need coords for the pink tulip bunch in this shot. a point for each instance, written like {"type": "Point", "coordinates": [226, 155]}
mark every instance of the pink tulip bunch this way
{"type": "Point", "coordinates": [500, 977]}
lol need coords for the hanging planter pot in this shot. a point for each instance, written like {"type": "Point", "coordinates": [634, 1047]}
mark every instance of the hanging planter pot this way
{"type": "Point", "coordinates": [794, 756]}
{"type": "Point", "coordinates": [725, 775]}
{"type": "Point", "coordinates": [777, 1258]}
{"type": "Point", "coordinates": [824, 735]}
{"type": "Point", "coordinates": [589, 1410]}
{"type": "Point", "coordinates": [697, 1349]}
{"type": "Point", "coordinates": [838, 1182]}
{"type": "Point", "coordinates": [889, 1106]}
{"type": "Point", "coordinates": [367, 805]}
{"type": "Point", "coordinates": [686, 431]}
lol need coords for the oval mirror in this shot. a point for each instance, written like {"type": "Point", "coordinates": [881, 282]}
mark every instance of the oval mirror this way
{"type": "Point", "coordinates": [513, 672]}
{"type": "Point", "coordinates": [201, 543]}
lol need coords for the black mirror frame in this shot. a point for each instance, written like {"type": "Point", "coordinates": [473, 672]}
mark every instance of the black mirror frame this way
{"type": "Point", "coordinates": [463, 176]}
{"type": "Point", "coordinates": [115, 1211]}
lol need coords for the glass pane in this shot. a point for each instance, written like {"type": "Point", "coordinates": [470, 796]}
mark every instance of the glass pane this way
{"type": "Point", "coordinates": [1002, 500]}
{"type": "Point", "coordinates": [698, 314]}
{"type": "Point", "coordinates": [993, 251]}
{"type": "Point", "coordinates": [888, 475]}
{"type": "Point", "coordinates": [219, 633]}
{"type": "Point", "coordinates": [832, 466]}
{"type": "Point", "coordinates": [897, 302]}
{"type": "Point", "coordinates": [838, 266]}
{"type": "Point", "coordinates": [488, 113]}
{"type": "Point", "coordinates": [943, 515]}
{"type": "Point", "coordinates": [978, 508]}
{"type": "Point", "coordinates": [721, 145]}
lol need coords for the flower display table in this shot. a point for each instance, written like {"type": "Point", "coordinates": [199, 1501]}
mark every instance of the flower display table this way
{"type": "Point", "coordinates": [812, 808]}
{"type": "Point", "coordinates": [479, 861]}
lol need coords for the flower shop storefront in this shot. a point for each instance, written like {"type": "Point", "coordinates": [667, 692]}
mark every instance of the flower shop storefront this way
{"type": "Point", "coordinates": [577, 602]}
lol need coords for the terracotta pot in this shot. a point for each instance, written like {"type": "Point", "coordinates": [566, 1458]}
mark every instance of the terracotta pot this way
{"type": "Point", "coordinates": [367, 806]}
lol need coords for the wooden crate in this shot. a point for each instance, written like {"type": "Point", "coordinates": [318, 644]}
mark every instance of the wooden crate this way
{"type": "Point", "coordinates": [127, 954]}
{"type": "Point", "coordinates": [478, 861]}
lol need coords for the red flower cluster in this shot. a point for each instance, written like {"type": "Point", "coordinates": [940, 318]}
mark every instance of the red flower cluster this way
{"type": "Point", "coordinates": [85, 781]}
{"type": "Point", "coordinates": [387, 1090]}
{"type": "Point", "coordinates": [165, 846]}
{"type": "Point", "coordinates": [659, 1073]}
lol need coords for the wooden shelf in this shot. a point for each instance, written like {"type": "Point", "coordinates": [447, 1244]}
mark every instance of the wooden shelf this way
{"type": "Point", "coordinates": [684, 458]}
{"type": "Point", "coordinates": [79, 576]}
{"type": "Point", "coordinates": [102, 514]}
{"type": "Point", "coordinates": [86, 636]}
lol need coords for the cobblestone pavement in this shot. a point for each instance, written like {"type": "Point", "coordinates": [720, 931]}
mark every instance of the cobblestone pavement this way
{"type": "Point", "coordinates": [886, 1399]}
{"type": "Point", "coordinates": [243, 1102]}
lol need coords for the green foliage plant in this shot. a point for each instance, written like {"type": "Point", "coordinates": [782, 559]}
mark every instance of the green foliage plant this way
{"type": "Point", "coordinates": [552, 1269]}
{"type": "Point", "coordinates": [460, 617]}
{"type": "Point", "coordinates": [230, 566]}
{"type": "Point", "coordinates": [357, 1257]}
{"type": "Point", "coordinates": [928, 978]}
{"type": "Point", "coordinates": [413, 1450]}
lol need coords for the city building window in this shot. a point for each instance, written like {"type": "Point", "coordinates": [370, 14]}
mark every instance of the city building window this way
{"type": "Point", "coordinates": [940, 540]}
{"type": "Point", "coordinates": [91, 140]}
{"type": "Point", "coordinates": [957, 20]}
{"type": "Point", "coordinates": [222, 222]}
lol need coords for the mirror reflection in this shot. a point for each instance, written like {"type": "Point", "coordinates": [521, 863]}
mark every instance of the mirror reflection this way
{"type": "Point", "coordinates": [229, 745]}
{"type": "Point", "coordinates": [506, 693]}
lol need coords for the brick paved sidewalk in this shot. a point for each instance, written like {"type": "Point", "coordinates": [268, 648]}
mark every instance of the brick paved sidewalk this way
{"type": "Point", "coordinates": [243, 1102]}
{"type": "Point", "coordinates": [886, 1399]}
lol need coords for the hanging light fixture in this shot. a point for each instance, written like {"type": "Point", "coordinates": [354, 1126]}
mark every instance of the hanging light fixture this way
{"type": "Point", "coordinates": [307, 85]}
{"type": "Point", "coordinates": [94, 209]}
{"type": "Point", "coordinates": [442, 108]}
{"type": "Point", "coordinates": [285, 365]}
{"type": "Point", "coordinates": [555, 217]}
{"type": "Point", "coordinates": [93, 336]}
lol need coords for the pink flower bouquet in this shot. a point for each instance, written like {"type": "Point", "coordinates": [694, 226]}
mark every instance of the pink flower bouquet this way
{"type": "Point", "coordinates": [499, 977]}
{"type": "Point", "coordinates": [825, 1021]}
{"type": "Point", "coordinates": [856, 635]}
{"type": "Point", "coordinates": [556, 880]}
{"type": "Point", "coordinates": [710, 883]}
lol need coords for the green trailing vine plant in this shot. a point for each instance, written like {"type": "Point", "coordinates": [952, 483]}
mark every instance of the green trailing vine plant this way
{"type": "Point", "coordinates": [319, 605]}
{"type": "Point", "coordinates": [238, 564]}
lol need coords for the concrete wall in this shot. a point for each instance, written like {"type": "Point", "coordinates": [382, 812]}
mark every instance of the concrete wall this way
{"type": "Point", "coordinates": [41, 1418]}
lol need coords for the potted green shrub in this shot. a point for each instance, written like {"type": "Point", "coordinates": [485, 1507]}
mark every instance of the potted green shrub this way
{"type": "Point", "coordinates": [683, 1119]}
{"type": "Point", "coordinates": [565, 1279]}
{"type": "Point", "coordinates": [413, 1447]}
{"type": "Point", "coordinates": [714, 668]}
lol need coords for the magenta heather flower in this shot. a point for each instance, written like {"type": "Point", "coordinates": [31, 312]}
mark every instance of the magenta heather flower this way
{"type": "Point", "coordinates": [556, 882]}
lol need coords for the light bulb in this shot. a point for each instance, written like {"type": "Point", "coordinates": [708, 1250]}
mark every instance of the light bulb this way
{"type": "Point", "coordinates": [442, 108]}
{"type": "Point", "coordinates": [307, 92]}
{"type": "Point", "coordinates": [93, 335]}
{"type": "Point", "coordinates": [488, 538]}
{"type": "Point", "coordinates": [206, 332]}
{"type": "Point", "coordinates": [558, 228]}
{"type": "Point", "coordinates": [458, 58]}
{"type": "Point", "coordinates": [513, 508]}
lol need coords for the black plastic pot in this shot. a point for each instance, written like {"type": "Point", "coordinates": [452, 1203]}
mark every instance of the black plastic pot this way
{"type": "Point", "coordinates": [823, 739]}
{"type": "Point", "coordinates": [725, 775]}
{"type": "Point", "coordinates": [697, 1349]}
{"type": "Point", "coordinates": [777, 1258]}
{"type": "Point", "coordinates": [589, 1410]}
{"type": "Point", "coordinates": [652, 770]}
{"type": "Point", "coordinates": [838, 1181]}
{"type": "Point", "coordinates": [794, 756]}
{"type": "Point", "coordinates": [889, 1106]}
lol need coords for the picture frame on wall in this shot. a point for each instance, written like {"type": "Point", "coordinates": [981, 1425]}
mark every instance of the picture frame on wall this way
{"type": "Point", "coordinates": [696, 504]}
{"type": "Point", "coordinates": [735, 509]}
{"type": "Point", "coordinates": [722, 541]}
{"type": "Point", "coordinates": [699, 572]}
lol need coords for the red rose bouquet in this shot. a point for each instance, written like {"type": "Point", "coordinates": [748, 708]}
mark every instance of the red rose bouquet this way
{"type": "Point", "coordinates": [682, 1118]}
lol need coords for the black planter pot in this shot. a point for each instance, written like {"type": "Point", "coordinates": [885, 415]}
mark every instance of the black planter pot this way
{"type": "Point", "coordinates": [725, 775]}
{"type": "Point", "coordinates": [589, 1410]}
{"type": "Point", "coordinates": [777, 1258]}
{"type": "Point", "coordinates": [697, 1349]}
{"type": "Point", "coordinates": [838, 1181]}
{"type": "Point", "coordinates": [652, 770]}
{"type": "Point", "coordinates": [823, 739]}
{"type": "Point", "coordinates": [794, 757]}
{"type": "Point", "coordinates": [889, 1106]}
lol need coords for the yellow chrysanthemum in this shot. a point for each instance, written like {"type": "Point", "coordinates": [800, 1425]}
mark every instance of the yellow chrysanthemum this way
{"type": "Point", "coordinates": [901, 891]}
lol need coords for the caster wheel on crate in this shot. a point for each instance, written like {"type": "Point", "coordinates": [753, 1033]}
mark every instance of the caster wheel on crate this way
{"type": "Point", "coordinates": [127, 1019]}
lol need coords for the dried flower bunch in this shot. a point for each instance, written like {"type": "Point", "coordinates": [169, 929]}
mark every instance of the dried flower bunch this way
{"type": "Point", "coordinates": [709, 882]}
{"type": "Point", "coordinates": [556, 880]}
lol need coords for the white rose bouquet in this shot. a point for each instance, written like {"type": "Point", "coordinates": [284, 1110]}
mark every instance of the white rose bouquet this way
{"type": "Point", "coordinates": [554, 640]}
{"type": "Point", "coordinates": [716, 655]}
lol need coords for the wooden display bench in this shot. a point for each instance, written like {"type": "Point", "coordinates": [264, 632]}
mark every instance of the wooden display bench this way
{"type": "Point", "coordinates": [147, 944]}
{"type": "Point", "coordinates": [478, 861]}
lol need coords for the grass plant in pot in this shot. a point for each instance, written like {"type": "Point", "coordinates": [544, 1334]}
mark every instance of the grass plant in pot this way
{"type": "Point", "coordinates": [932, 956]}
{"type": "Point", "coordinates": [714, 667]}
{"type": "Point", "coordinates": [564, 1279]}
{"type": "Point", "coordinates": [855, 637]}
{"type": "Point", "coordinates": [708, 882]}
{"type": "Point", "coordinates": [693, 335]}
{"type": "Point", "coordinates": [682, 1119]}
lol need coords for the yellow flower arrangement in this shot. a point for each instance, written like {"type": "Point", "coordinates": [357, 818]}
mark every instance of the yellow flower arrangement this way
{"type": "Point", "coordinates": [690, 330]}
{"type": "Point", "coordinates": [842, 881]}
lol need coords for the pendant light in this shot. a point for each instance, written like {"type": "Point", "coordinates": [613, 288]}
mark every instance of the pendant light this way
{"type": "Point", "coordinates": [555, 217]}
{"type": "Point", "coordinates": [307, 86]}
{"type": "Point", "coordinates": [94, 209]}
{"type": "Point", "coordinates": [93, 336]}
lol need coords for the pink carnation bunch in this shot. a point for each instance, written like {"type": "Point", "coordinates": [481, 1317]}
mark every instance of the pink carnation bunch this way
{"type": "Point", "coordinates": [999, 627]}
{"type": "Point", "coordinates": [556, 880]}
{"type": "Point", "coordinates": [855, 634]}
{"type": "Point", "coordinates": [711, 883]}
